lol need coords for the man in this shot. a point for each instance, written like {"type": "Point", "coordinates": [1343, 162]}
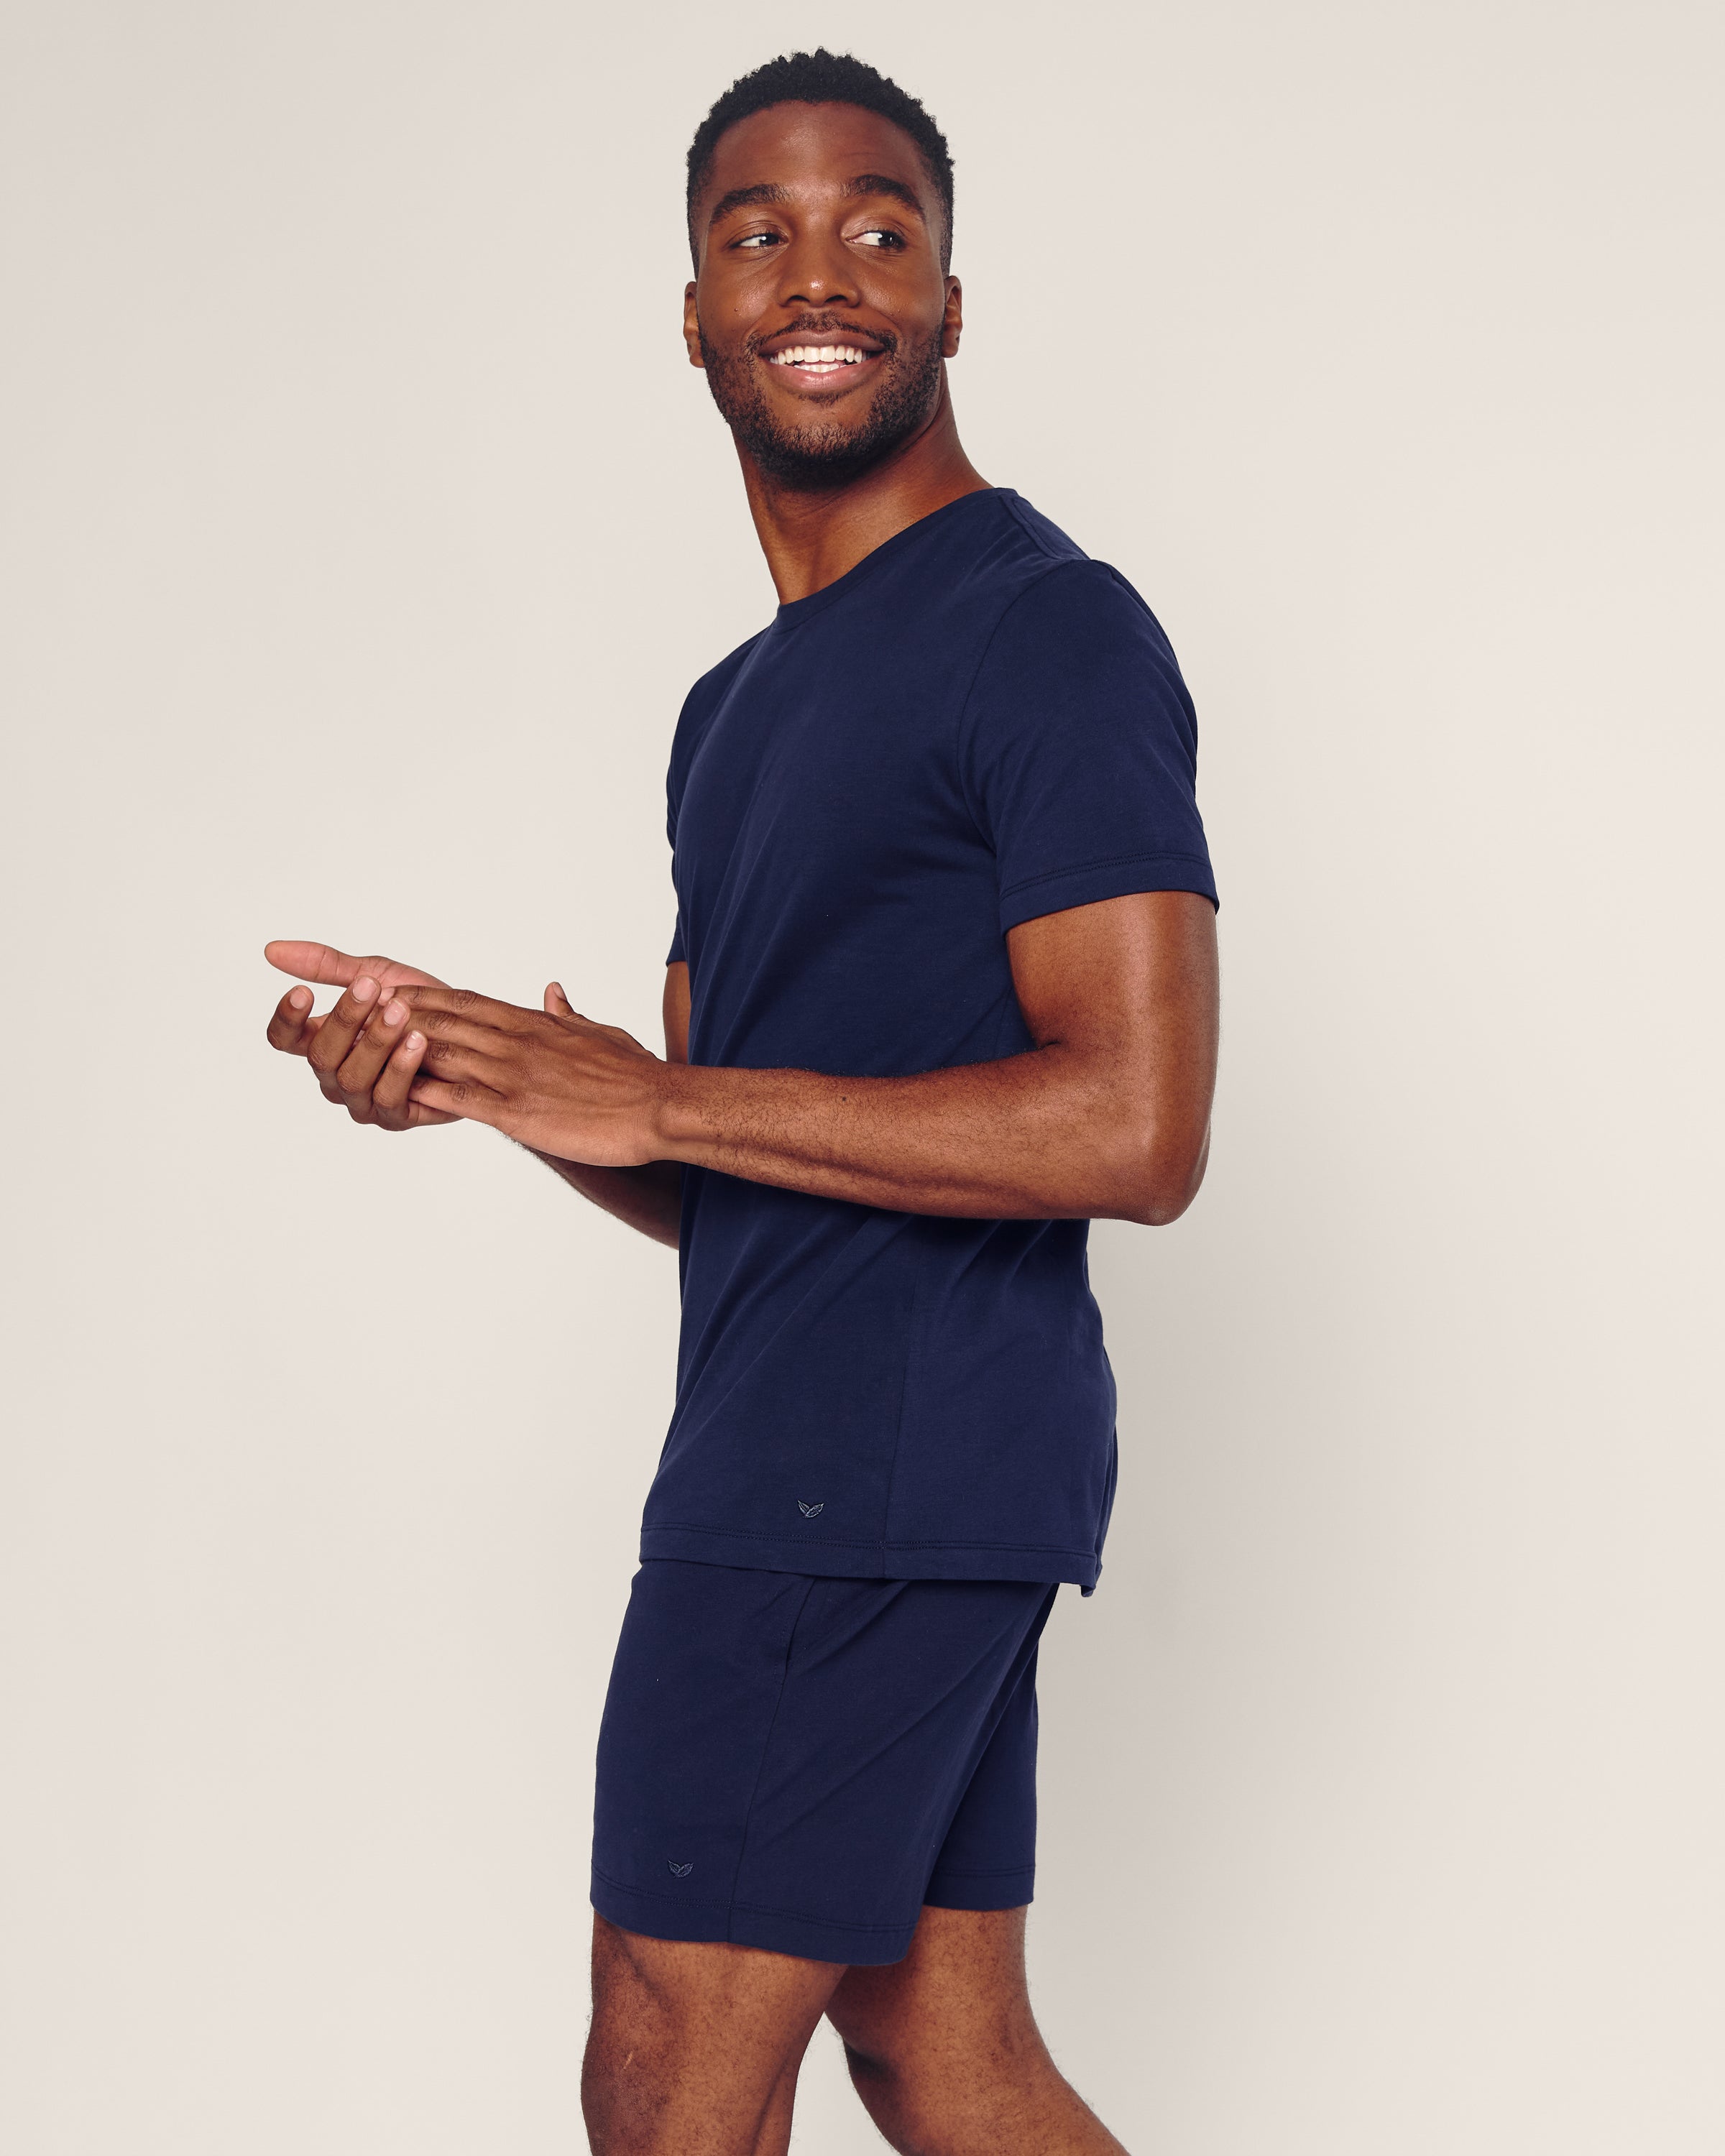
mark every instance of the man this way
{"type": "Point", "coordinates": [942, 990]}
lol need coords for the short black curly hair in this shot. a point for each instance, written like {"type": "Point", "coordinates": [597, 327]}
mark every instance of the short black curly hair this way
{"type": "Point", "coordinates": [822, 78]}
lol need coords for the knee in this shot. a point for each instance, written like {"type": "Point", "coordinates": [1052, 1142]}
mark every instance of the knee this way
{"type": "Point", "coordinates": [932, 2100]}
{"type": "Point", "coordinates": [891, 2095]}
{"type": "Point", "coordinates": [911, 2114]}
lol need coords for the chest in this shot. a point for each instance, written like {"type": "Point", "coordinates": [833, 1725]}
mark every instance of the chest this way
{"type": "Point", "coordinates": [848, 774]}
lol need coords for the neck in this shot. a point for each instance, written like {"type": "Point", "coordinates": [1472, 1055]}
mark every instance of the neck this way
{"type": "Point", "coordinates": [811, 536]}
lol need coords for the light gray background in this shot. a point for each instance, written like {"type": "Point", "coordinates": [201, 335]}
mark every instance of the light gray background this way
{"type": "Point", "coordinates": [362, 529]}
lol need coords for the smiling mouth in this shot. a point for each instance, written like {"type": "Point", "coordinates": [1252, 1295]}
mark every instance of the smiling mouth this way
{"type": "Point", "coordinates": [821, 362]}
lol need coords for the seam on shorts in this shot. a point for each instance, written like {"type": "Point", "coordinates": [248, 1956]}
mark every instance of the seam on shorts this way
{"type": "Point", "coordinates": [823, 1923]}
{"type": "Point", "coordinates": [753, 1908]}
{"type": "Point", "coordinates": [748, 1816]}
{"type": "Point", "coordinates": [658, 1893]}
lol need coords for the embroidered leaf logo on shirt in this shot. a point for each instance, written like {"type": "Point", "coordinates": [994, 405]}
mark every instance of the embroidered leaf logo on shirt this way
{"type": "Point", "coordinates": [681, 1870]}
{"type": "Point", "coordinates": [808, 1511]}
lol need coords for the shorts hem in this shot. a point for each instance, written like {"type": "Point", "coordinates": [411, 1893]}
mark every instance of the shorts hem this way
{"type": "Point", "coordinates": [740, 1924]}
{"type": "Point", "coordinates": [981, 1890]}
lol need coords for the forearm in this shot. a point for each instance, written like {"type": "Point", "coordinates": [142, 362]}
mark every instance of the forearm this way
{"type": "Point", "coordinates": [1047, 1135]}
{"type": "Point", "coordinates": [1108, 1118]}
{"type": "Point", "coordinates": [649, 1199]}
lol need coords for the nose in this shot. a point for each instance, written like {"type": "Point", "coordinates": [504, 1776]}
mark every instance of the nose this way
{"type": "Point", "coordinates": [817, 270]}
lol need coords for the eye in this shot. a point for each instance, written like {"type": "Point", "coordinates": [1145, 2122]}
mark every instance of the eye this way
{"type": "Point", "coordinates": [878, 236]}
{"type": "Point", "coordinates": [756, 241]}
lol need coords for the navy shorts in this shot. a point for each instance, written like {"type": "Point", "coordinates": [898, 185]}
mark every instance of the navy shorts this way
{"type": "Point", "coordinates": [801, 1764]}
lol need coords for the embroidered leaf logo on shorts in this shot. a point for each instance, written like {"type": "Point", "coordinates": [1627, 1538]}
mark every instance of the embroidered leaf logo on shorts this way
{"type": "Point", "coordinates": [808, 1511]}
{"type": "Point", "coordinates": [681, 1870]}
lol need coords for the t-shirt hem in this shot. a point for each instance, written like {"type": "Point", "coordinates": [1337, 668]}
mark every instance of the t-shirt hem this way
{"type": "Point", "coordinates": [1064, 888]}
{"type": "Point", "coordinates": [881, 1560]}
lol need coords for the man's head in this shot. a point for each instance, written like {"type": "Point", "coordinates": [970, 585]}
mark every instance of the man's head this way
{"type": "Point", "coordinates": [820, 209]}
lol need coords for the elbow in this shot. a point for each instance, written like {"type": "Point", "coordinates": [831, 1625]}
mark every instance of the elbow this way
{"type": "Point", "coordinates": [1159, 1180]}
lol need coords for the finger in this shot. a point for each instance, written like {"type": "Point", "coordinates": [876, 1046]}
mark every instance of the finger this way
{"type": "Point", "coordinates": [335, 1036]}
{"type": "Point", "coordinates": [314, 962]}
{"type": "Point", "coordinates": [476, 1104]}
{"type": "Point", "coordinates": [391, 1108]}
{"type": "Point", "coordinates": [358, 1072]}
{"type": "Point", "coordinates": [323, 962]}
{"type": "Point", "coordinates": [290, 1026]}
{"type": "Point", "coordinates": [429, 998]}
{"type": "Point", "coordinates": [559, 1005]}
{"type": "Point", "coordinates": [454, 1030]}
{"type": "Point", "coordinates": [454, 1060]}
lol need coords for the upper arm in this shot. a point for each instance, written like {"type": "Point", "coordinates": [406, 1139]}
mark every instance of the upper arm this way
{"type": "Point", "coordinates": [676, 1011]}
{"type": "Point", "coordinates": [1079, 758]}
{"type": "Point", "coordinates": [1131, 984]}
{"type": "Point", "coordinates": [1079, 753]}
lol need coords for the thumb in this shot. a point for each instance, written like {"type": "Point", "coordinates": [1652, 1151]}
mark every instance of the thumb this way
{"type": "Point", "coordinates": [314, 961]}
{"type": "Point", "coordinates": [557, 1003]}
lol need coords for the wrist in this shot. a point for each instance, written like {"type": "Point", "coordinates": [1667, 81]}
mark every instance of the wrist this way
{"type": "Point", "coordinates": [673, 1121]}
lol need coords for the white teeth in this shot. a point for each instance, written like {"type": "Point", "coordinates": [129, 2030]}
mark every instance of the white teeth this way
{"type": "Point", "coordinates": [822, 355]}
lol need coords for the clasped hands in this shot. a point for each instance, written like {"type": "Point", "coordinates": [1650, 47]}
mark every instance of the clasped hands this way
{"type": "Point", "coordinates": [401, 1050]}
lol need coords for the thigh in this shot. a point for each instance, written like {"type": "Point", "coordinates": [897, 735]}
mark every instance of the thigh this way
{"type": "Point", "coordinates": [695, 2044]}
{"type": "Point", "coordinates": [959, 1994]}
{"type": "Point", "coordinates": [945, 2052]}
{"type": "Point", "coordinates": [782, 1758]}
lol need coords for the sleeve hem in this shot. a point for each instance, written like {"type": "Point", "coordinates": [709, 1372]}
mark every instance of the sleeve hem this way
{"type": "Point", "coordinates": [1063, 889]}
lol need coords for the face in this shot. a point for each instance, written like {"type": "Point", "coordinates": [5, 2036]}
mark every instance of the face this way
{"type": "Point", "coordinates": [820, 310]}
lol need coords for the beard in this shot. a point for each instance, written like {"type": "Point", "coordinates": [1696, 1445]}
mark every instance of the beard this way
{"type": "Point", "coordinates": [827, 451]}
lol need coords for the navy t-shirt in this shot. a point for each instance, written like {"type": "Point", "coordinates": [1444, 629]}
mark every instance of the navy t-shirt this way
{"type": "Point", "coordinates": [976, 726]}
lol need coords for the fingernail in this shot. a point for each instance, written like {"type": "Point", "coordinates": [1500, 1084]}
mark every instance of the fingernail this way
{"type": "Point", "coordinates": [364, 989]}
{"type": "Point", "coordinates": [558, 990]}
{"type": "Point", "coordinates": [300, 998]}
{"type": "Point", "coordinates": [414, 1040]}
{"type": "Point", "coordinates": [394, 1011]}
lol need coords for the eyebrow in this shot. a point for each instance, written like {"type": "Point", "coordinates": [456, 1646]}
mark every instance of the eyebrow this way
{"type": "Point", "coordinates": [883, 183]}
{"type": "Point", "coordinates": [769, 191]}
{"type": "Point", "coordinates": [763, 191]}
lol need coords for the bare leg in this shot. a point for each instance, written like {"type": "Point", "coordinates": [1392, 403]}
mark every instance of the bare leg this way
{"type": "Point", "coordinates": [945, 2054]}
{"type": "Point", "coordinates": [694, 2049]}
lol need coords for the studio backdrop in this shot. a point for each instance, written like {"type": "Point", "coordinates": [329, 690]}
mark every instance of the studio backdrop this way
{"type": "Point", "coordinates": [363, 526]}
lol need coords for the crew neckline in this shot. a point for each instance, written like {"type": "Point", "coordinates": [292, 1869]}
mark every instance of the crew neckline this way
{"type": "Point", "coordinates": [793, 612]}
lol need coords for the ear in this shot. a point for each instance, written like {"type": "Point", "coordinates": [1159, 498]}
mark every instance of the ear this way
{"type": "Point", "coordinates": [691, 328]}
{"type": "Point", "coordinates": [952, 322]}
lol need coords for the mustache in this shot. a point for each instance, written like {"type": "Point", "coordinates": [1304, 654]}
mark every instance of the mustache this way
{"type": "Point", "coordinates": [813, 325]}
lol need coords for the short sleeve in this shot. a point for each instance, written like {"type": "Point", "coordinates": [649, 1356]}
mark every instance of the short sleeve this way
{"type": "Point", "coordinates": [678, 954]}
{"type": "Point", "coordinates": [1078, 750]}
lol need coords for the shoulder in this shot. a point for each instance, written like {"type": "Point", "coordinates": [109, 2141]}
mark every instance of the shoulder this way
{"type": "Point", "coordinates": [1077, 637]}
{"type": "Point", "coordinates": [702, 700]}
{"type": "Point", "coordinates": [1050, 591]}
{"type": "Point", "coordinates": [709, 689]}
